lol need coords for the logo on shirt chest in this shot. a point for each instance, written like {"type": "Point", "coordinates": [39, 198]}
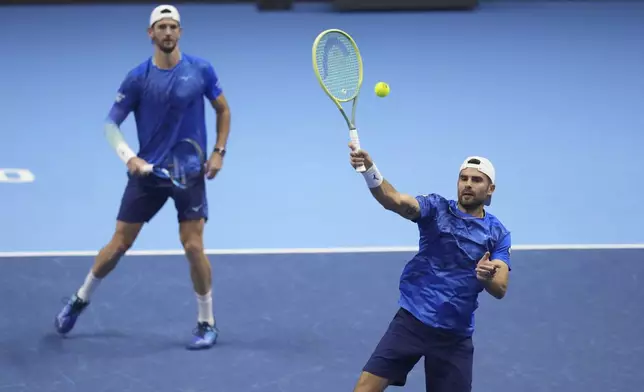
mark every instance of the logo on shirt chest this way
{"type": "Point", "coordinates": [185, 89]}
{"type": "Point", "coordinates": [175, 91]}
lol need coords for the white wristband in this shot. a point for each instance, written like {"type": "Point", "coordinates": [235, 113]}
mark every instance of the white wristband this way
{"type": "Point", "coordinates": [373, 177]}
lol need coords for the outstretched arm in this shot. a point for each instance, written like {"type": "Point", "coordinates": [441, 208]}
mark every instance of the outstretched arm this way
{"type": "Point", "coordinates": [402, 204]}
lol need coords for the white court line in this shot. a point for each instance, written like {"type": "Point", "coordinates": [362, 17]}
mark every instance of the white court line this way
{"type": "Point", "coordinates": [376, 249]}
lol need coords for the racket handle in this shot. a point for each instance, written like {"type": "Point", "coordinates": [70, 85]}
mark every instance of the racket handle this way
{"type": "Point", "coordinates": [148, 168]}
{"type": "Point", "coordinates": [353, 134]}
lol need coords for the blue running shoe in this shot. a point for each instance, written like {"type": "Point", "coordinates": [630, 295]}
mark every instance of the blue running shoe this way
{"type": "Point", "coordinates": [66, 319]}
{"type": "Point", "coordinates": [205, 336]}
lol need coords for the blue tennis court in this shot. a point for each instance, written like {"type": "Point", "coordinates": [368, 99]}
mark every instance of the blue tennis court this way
{"type": "Point", "coordinates": [305, 262]}
{"type": "Point", "coordinates": [308, 321]}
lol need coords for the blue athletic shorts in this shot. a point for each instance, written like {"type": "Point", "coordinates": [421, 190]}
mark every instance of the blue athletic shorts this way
{"type": "Point", "coordinates": [448, 356]}
{"type": "Point", "coordinates": [144, 197]}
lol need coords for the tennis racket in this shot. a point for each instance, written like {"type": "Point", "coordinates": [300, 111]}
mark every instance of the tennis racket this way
{"type": "Point", "coordinates": [338, 67]}
{"type": "Point", "coordinates": [185, 162]}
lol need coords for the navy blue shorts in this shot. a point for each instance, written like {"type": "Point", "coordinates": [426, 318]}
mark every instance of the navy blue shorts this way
{"type": "Point", "coordinates": [448, 357]}
{"type": "Point", "coordinates": [145, 196]}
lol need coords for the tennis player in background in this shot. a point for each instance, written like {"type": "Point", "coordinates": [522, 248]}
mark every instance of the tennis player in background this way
{"type": "Point", "coordinates": [463, 250]}
{"type": "Point", "coordinates": [166, 93]}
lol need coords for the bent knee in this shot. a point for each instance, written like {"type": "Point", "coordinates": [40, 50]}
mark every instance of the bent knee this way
{"type": "Point", "coordinates": [124, 237]}
{"type": "Point", "coordinates": [193, 246]}
{"type": "Point", "coordinates": [192, 237]}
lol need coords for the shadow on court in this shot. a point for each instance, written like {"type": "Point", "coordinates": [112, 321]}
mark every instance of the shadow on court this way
{"type": "Point", "coordinates": [309, 322]}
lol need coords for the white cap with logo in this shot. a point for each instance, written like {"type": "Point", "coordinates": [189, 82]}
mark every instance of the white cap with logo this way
{"type": "Point", "coordinates": [484, 166]}
{"type": "Point", "coordinates": [164, 11]}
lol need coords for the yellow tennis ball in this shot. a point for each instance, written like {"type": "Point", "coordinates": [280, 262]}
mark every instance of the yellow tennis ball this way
{"type": "Point", "coordinates": [382, 89]}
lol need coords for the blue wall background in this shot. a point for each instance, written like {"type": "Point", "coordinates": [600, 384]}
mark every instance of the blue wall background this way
{"type": "Point", "coordinates": [551, 92]}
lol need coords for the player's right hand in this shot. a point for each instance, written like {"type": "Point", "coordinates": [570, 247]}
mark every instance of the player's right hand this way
{"type": "Point", "coordinates": [135, 166]}
{"type": "Point", "coordinates": [360, 157]}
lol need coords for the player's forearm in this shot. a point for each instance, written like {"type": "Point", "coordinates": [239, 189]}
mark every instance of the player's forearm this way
{"type": "Point", "coordinates": [113, 133]}
{"type": "Point", "coordinates": [118, 143]}
{"type": "Point", "coordinates": [387, 196]}
{"type": "Point", "coordinates": [402, 204]}
{"type": "Point", "coordinates": [383, 191]}
{"type": "Point", "coordinates": [497, 286]}
{"type": "Point", "coordinates": [495, 289]}
{"type": "Point", "coordinates": [223, 128]}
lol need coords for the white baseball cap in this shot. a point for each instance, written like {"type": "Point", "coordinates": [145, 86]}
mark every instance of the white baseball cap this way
{"type": "Point", "coordinates": [484, 166]}
{"type": "Point", "coordinates": [164, 11]}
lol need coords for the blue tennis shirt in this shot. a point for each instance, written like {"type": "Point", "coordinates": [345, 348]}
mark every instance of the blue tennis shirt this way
{"type": "Point", "coordinates": [439, 285]}
{"type": "Point", "coordinates": [168, 104]}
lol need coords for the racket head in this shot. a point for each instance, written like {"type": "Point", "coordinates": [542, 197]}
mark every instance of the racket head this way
{"type": "Point", "coordinates": [338, 65]}
{"type": "Point", "coordinates": [185, 162]}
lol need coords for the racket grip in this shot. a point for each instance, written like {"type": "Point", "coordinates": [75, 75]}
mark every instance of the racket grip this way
{"type": "Point", "coordinates": [353, 134]}
{"type": "Point", "coordinates": [148, 168]}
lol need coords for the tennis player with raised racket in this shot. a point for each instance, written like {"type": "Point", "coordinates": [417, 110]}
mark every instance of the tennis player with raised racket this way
{"type": "Point", "coordinates": [463, 250]}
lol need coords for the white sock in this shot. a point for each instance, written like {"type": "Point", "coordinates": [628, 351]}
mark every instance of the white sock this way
{"type": "Point", "coordinates": [86, 290]}
{"type": "Point", "coordinates": [204, 303]}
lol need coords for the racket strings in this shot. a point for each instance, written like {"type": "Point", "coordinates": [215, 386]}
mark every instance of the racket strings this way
{"type": "Point", "coordinates": [339, 66]}
{"type": "Point", "coordinates": [184, 162]}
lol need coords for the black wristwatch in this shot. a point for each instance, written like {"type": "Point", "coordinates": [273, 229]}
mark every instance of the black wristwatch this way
{"type": "Point", "coordinates": [221, 151]}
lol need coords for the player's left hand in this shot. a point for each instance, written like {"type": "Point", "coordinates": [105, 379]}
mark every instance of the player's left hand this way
{"type": "Point", "coordinates": [485, 269]}
{"type": "Point", "coordinates": [215, 163]}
